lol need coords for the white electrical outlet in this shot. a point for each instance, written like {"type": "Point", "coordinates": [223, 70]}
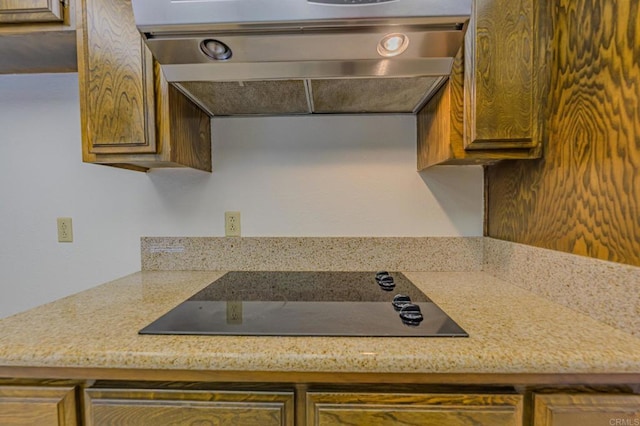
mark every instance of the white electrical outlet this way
{"type": "Point", "coordinates": [65, 230]}
{"type": "Point", "coordinates": [232, 224]}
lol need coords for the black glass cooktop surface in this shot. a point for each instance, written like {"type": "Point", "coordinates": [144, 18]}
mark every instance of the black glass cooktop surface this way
{"type": "Point", "coordinates": [308, 304]}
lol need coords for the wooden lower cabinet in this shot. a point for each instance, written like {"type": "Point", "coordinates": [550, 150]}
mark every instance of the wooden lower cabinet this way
{"type": "Point", "coordinates": [38, 405]}
{"type": "Point", "coordinates": [104, 403]}
{"type": "Point", "coordinates": [378, 409]}
{"type": "Point", "coordinates": [177, 407]}
{"type": "Point", "coordinates": [586, 410]}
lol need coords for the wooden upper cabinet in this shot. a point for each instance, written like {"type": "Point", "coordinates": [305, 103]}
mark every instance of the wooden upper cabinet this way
{"type": "Point", "coordinates": [37, 405]}
{"type": "Point", "coordinates": [586, 410]}
{"type": "Point", "coordinates": [118, 81]}
{"type": "Point", "coordinates": [37, 36]}
{"type": "Point", "coordinates": [131, 117]}
{"type": "Point", "coordinates": [499, 75]}
{"type": "Point", "coordinates": [492, 106]}
{"type": "Point", "coordinates": [384, 409]}
{"type": "Point", "coordinates": [20, 11]}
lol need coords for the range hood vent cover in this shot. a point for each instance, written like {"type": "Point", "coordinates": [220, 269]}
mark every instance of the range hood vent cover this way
{"type": "Point", "coordinates": [281, 57]}
{"type": "Point", "coordinates": [321, 96]}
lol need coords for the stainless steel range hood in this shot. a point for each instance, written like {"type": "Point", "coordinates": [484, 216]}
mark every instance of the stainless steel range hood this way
{"type": "Point", "coordinates": [279, 57]}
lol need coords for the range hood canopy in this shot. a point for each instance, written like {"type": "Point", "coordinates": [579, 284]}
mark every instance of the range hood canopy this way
{"type": "Point", "coordinates": [238, 57]}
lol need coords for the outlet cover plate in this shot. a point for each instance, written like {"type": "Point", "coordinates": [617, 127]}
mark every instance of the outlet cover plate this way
{"type": "Point", "coordinates": [65, 230]}
{"type": "Point", "coordinates": [232, 224]}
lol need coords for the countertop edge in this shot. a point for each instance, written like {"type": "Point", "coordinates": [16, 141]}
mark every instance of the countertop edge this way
{"type": "Point", "coordinates": [318, 377]}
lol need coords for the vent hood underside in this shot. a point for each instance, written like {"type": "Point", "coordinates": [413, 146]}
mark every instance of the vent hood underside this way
{"type": "Point", "coordinates": [329, 96]}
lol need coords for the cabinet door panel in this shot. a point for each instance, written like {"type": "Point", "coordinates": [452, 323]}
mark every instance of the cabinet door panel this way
{"type": "Point", "coordinates": [328, 409]}
{"type": "Point", "coordinates": [20, 11]}
{"type": "Point", "coordinates": [587, 410]}
{"type": "Point", "coordinates": [499, 73]}
{"type": "Point", "coordinates": [168, 407]}
{"type": "Point", "coordinates": [116, 80]}
{"type": "Point", "coordinates": [492, 106]}
{"type": "Point", "coordinates": [42, 406]}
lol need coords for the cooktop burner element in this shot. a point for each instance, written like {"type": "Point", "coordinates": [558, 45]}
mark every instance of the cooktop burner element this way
{"type": "Point", "coordinates": [308, 304]}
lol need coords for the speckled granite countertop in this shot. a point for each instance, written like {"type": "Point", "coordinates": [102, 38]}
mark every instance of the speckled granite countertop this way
{"type": "Point", "coordinates": [511, 331]}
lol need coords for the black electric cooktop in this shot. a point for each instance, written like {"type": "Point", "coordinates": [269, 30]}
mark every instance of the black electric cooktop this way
{"type": "Point", "coordinates": [308, 304]}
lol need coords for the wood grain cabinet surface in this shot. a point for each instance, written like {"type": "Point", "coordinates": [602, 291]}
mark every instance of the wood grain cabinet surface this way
{"type": "Point", "coordinates": [162, 403]}
{"type": "Point", "coordinates": [491, 107]}
{"type": "Point", "coordinates": [37, 36]}
{"type": "Point", "coordinates": [37, 405]}
{"type": "Point", "coordinates": [20, 11]}
{"type": "Point", "coordinates": [586, 410]}
{"type": "Point", "coordinates": [381, 409]}
{"type": "Point", "coordinates": [164, 407]}
{"type": "Point", "coordinates": [131, 117]}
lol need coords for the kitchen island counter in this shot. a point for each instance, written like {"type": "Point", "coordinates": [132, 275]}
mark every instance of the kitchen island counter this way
{"type": "Point", "coordinates": [94, 334]}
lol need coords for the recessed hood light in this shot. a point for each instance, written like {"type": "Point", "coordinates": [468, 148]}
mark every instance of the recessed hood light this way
{"type": "Point", "coordinates": [215, 49]}
{"type": "Point", "coordinates": [393, 44]}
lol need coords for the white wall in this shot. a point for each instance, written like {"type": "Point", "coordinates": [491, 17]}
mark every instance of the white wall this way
{"type": "Point", "coordinates": [300, 176]}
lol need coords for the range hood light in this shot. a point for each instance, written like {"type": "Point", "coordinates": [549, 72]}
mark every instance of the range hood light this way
{"type": "Point", "coordinates": [393, 44]}
{"type": "Point", "coordinates": [215, 49]}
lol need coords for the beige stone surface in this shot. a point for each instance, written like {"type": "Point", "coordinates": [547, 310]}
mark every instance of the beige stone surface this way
{"type": "Point", "coordinates": [511, 331]}
{"type": "Point", "coordinates": [606, 291]}
{"type": "Point", "coordinates": [312, 253]}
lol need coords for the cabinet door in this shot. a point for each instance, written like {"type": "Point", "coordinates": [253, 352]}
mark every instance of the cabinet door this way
{"type": "Point", "coordinates": [586, 410]}
{"type": "Point", "coordinates": [499, 76]}
{"type": "Point", "coordinates": [36, 46]}
{"type": "Point", "coordinates": [371, 409]}
{"type": "Point", "coordinates": [492, 106]}
{"type": "Point", "coordinates": [116, 81]}
{"type": "Point", "coordinates": [173, 407]}
{"type": "Point", "coordinates": [20, 11]}
{"type": "Point", "coordinates": [34, 405]}
{"type": "Point", "coordinates": [130, 116]}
